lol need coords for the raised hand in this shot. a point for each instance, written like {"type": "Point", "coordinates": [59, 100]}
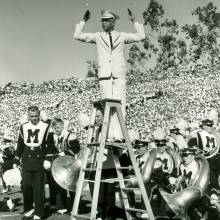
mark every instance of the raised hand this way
{"type": "Point", "coordinates": [86, 16]}
{"type": "Point", "coordinates": [131, 16]}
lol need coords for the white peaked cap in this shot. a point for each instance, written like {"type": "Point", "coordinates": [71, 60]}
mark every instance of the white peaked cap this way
{"type": "Point", "coordinates": [108, 14]}
{"type": "Point", "coordinates": [83, 120]}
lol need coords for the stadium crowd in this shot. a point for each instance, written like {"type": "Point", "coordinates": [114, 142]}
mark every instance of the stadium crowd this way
{"type": "Point", "coordinates": [155, 108]}
{"type": "Point", "coordinates": [187, 92]}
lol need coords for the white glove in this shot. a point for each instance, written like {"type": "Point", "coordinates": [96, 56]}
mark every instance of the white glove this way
{"type": "Point", "coordinates": [14, 165]}
{"type": "Point", "coordinates": [47, 164]}
{"type": "Point", "coordinates": [61, 154]}
{"type": "Point", "coordinates": [172, 180]}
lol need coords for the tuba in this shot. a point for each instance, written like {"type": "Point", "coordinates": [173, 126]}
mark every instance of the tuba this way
{"type": "Point", "coordinates": [146, 171]}
{"type": "Point", "coordinates": [65, 171]}
{"type": "Point", "coordinates": [150, 157]}
{"type": "Point", "coordinates": [180, 201]}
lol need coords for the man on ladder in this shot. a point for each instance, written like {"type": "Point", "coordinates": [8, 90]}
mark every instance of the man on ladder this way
{"type": "Point", "coordinates": [112, 83]}
{"type": "Point", "coordinates": [111, 61]}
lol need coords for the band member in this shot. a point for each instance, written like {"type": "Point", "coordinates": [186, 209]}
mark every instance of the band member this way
{"type": "Point", "coordinates": [190, 185]}
{"type": "Point", "coordinates": [7, 154]}
{"type": "Point", "coordinates": [207, 139]}
{"type": "Point", "coordinates": [213, 205]}
{"type": "Point", "coordinates": [62, 142]}
{"type": "Point", "coordinates": [163, 166]}
{"type": "Point", "coordinates": [177, 139]}
{"type": "Point", "coordinates": [31, 150]}
{"type": "Point", "coordinates": [188, 170]}
{"type": "Point", "coordinates": [111, 60]}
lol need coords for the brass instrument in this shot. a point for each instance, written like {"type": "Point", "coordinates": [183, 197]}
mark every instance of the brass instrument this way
{"type": "Point", "coordinates": [180, 201]}
{"type": "Point", "coordinates": [150, 157]}
{"type": "Point", "coordinates": [65, 171]}
{"type": "Point", "coordinates": [146, 171]}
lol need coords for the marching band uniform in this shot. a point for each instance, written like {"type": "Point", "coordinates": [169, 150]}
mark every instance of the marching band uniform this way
{"type": "Point", "coordinates": [111, 62]}
{"type": "Point", "coordinates": [64, 144]}
{"type": "Point", "coordinates": [31, 149]}
{"type": "Point", "coordinates": [188, 176]}
{"type": "Point", "coordinates": [164, 166]}
{"type": "Point", "coordinates": [188, 169]}
{"type": "Point", "coordinates": [6, 159]}
{"type": "Point", "coordinates": [177, 140]}
{"type": "Point", "coordinates": [208, 140]}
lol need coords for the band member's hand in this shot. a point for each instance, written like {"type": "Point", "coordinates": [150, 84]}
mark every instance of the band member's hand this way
{"type": "Point", "coordinates": [15, 166]}
{"type": "Point", "coordinates": [131, 16]}
{"type": "Point", "coordinates": [86, 16]}
{"type": "Point", "coordinates": [61, 154]}
{"type": "Point", "coordinates": [172, 180]}
{"type": "Point", "coordinates": [47, 164]}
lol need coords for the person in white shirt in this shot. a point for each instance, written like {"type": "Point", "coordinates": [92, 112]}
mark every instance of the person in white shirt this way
{"type": "Point", "coordinates": [111, 60]}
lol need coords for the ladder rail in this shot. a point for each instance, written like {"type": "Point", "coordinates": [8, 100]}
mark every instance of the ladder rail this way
{"type": "Point", "coordinates": [124, 195]}
{"type": "Point", "coordinates": [100, 160]}
{"type": "Point", "coordinates": [134, 162]}
{"type": "Point", "coordinates": [87, 152]}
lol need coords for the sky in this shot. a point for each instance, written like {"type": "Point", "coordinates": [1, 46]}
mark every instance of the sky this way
{"type": "Point", "coordinates": [36, 36]}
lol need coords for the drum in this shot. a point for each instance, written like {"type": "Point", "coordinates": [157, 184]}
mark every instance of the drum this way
{"type": "Point", "coordinates": [12, 177]}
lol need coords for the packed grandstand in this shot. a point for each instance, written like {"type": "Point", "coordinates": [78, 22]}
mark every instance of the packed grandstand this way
{"type": "Point", "coordinates": [187, 92]}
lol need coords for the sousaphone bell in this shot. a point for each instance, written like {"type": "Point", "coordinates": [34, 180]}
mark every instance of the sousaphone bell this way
{"type": "Point", "coordinates": [65, 171]}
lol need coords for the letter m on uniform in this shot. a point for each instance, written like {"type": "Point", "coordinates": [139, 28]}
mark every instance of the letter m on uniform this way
{"type": "Point", "coordinates": [210, 142]}
{"type": "Point", "coordinates": [33, 135]}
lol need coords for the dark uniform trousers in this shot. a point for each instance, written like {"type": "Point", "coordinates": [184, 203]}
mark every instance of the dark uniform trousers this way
{"type": "Point", "coordinates": [33, 181]}
{"type": "Point", "coordinates": [33, 190]}
{"type": "Point", "coordinates": [58, 195]}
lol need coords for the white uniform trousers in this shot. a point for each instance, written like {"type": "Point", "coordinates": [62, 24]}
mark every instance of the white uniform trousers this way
{"type": "Point", "coordinates": [114, 88]}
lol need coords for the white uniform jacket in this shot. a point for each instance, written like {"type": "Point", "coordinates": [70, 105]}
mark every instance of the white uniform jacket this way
{"type": "Point", "coordinates": [110, 61]}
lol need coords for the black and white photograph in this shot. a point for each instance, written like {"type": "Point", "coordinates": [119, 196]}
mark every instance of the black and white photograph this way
{"type": "Point", "coordinates": [109, 109]}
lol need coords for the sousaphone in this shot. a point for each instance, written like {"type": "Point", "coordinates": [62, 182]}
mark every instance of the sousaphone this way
{"type": "Point", "coordinates": [65, 171]}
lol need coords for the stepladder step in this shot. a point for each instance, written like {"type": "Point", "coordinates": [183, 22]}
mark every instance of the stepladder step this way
{"type": "Point", "coordinates": [80, 216]}
{"type": "Point", "coordinates": [135, 210]}
{"type": "Point", "coordinates": [108, 145]}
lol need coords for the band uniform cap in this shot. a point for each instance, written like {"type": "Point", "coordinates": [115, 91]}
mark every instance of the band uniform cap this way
{"type": "Point", "coordinates": [207, 122]}
{"type": "Point", "coordinates": [174, 130]}
{"type": "Point", "coordinates": [108, 14]}
{"type": "Point", "coordinates": [189, 150]}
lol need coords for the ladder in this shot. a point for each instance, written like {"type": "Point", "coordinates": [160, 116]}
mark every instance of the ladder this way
{"type": "Point", "coordinates": [108, 106]}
